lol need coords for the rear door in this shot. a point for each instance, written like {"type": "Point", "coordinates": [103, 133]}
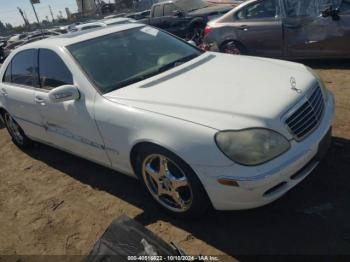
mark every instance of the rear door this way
{"type": "Point", "coordinates": [258, 27]}
{"type": "Point", "coordinates": [344, 22]}
{"type": "Point", "coordinates": [17, 90]}
{"type": "Point", "coordinates": [308, 34]}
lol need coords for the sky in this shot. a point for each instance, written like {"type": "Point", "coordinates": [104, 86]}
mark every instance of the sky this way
{"type": "Point", "coordinates": [9, 12]}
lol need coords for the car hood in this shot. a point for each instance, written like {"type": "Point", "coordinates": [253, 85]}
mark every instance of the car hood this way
{"type": "Point", "coordinates": [222, 91]}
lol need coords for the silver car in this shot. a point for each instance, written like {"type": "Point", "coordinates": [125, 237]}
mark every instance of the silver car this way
{"type": "Point", "coordinates": [290, 29]}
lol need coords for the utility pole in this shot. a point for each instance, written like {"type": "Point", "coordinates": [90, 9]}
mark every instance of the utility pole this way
{"type": "Point", "coordinates": [53, 19]}
{"type": "Point", "coordinates": [82, 7]}
{"type": "Point", "coordinates": [32, 2]}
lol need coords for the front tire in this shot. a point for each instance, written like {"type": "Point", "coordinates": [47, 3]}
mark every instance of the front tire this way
{"type": "Point", "coordinates": [171, 182]}
{"type": "Point", "coordinates": [17, 134]}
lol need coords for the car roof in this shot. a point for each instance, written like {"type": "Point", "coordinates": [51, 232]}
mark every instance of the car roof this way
{"type": "Point", "coordinates": [89, 24]}
{"type": "Point", "coordinates": [109, 21]}
{"type": "Point", "coordinates": [64, 40]}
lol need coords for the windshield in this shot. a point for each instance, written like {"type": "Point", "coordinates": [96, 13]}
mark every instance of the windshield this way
{"type": "Point", "coordinates": [123, 58]}
{"type": "Point", "coordinates": [191, 5]}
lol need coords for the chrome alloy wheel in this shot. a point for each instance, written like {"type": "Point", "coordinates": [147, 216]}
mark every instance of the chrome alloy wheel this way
{"type": "Point", "coordinates": [167, 183]}
{"type": "Point", "coordinates": [14, 129]}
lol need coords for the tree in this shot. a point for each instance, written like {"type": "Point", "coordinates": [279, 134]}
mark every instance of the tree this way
{"type": "Point", "coordinates": [2, 28]}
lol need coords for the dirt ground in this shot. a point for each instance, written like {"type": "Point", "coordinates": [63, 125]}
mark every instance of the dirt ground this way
{"type": "Point", "coordinates": [53, 203]}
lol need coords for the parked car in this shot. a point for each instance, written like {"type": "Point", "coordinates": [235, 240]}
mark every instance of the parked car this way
{"type": "Point", "coordinates": [184, 18]}
{"type": "Point", "coordinates": [232, 2]}
{"type": "Point", "coordinates": [136, 99]}
{"type": "Point", "coordinates": [102, 23]}
{"type": "Point", "coordinates": [17, 37]}
{"type": "Point", "coordinates": [291, 29]}
{"type": "Point", "coordinates": [30, 37]}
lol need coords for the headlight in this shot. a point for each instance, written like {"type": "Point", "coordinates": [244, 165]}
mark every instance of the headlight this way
{"type": "Point", "coordinates": [320, 82]}
{"type": "Point", "coordinates": [252, 147]}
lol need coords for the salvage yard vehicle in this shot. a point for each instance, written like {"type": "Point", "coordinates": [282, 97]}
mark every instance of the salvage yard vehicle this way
{"type": "Point", "coordinates": [102, 23]}
{"type": "Point", "coordinates": [184, 18]}
{"type": "Point", "coordinates": [138, 100]}
{"type": "Point", "coordinates": [290, 29]}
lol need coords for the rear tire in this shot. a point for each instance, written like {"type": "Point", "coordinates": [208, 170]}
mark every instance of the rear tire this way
{"type": "Point", "coordinates": [196, 33]}
{"type": "Point", "coordinates": [16, 132]}
{"type": "Point", "coordinates": [233, 48]}
{"type": "Point", "coordinates": [177, 190]}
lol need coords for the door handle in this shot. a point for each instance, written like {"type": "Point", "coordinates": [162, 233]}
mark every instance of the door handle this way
{"type": "Point", "coordinates": [244, 27]}
{"type": "Point", "coordinates": [39, 100]}
{"type": "Point", "coordinates": [3, 92]}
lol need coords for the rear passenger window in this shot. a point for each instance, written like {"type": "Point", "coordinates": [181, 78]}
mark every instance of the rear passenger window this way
{"type": "Point", "coordinates": [23, 68]}
{"type": "Point", "coordinates": [7, 76]}
{"type": "Point", "coordinates": [263, 9]}
{"type": "Point", "coordinates": [158, 11]}
{"type": "Point", "coordinates": [52, 71]}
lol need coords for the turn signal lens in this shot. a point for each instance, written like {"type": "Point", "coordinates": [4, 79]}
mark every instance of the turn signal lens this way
{"type": "Point", "coordinates": [207, 30]}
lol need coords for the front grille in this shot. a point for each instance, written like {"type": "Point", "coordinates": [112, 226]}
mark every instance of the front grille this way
{"type": "Point", "coordinates": [304, 120]}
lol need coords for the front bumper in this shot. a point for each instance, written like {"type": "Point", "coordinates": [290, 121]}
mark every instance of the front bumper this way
{"type": "Point", "coordinates": [263, 184]}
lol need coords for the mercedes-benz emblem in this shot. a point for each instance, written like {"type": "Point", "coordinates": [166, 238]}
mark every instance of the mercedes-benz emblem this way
{"type": "Point", "coordinates": [293, 83]}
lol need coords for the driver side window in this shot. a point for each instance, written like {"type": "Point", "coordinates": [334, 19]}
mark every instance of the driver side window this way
{"type": "Point", "coordinates": [345, 6]}
{"type": "Point", "coordinates": [262, 9]}
{"type": "Point", "coordinates": [52, 71]}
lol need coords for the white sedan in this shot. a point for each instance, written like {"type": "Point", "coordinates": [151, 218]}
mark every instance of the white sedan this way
{"type": "Point", "coordinates": [198, 129]}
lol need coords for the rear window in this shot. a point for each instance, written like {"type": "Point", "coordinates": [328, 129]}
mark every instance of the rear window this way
{"type": "Point", "coordinates": [158, 11]}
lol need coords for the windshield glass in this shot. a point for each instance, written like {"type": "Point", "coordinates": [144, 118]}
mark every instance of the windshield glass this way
{"type": "Point", "coordinates": [123, 58]}
{"type": "Point", "coordinates": [191, 5]}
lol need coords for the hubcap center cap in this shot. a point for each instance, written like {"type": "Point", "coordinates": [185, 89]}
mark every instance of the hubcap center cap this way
{"type": "Point", "coordinates": [167, 184]}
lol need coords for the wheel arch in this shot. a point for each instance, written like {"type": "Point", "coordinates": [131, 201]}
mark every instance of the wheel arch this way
{"type": "Point", "coordinates": [2, 120]}
{"type": "Point", "coordinates": [139, 145]}
{"type": "Point", "coordinates": [235, 41]}
{"type": "Point", "coordinates": [144, 143]}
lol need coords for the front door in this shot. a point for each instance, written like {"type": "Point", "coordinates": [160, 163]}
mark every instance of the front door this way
{"type": "Point", "coordinates": [70, 125]}
{"type": "Point", "coordinates": [259, 28]}
{"type": "Point", "coordinates": [310, 35]}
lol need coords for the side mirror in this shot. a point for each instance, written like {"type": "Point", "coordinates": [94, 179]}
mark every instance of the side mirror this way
{"type": "Point", "coordinates": [64, 93]}
{"type": "Point", "coordinates": [178, 13]}
{"type": "Point", "coordinates": [334, 13]}
{"type": "Point", "coordinates": [191, 42]}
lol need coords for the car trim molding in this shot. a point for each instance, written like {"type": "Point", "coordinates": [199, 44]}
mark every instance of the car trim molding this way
{"type": "Point", "coordinates": [66, 133]}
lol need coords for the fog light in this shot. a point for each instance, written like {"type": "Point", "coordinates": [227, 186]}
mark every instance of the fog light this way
{"type": "Point", "coordinates": [228, 182]}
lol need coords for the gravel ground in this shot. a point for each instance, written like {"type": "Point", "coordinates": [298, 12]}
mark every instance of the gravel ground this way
{"type": "Point", "coordinates": [53, 203]}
